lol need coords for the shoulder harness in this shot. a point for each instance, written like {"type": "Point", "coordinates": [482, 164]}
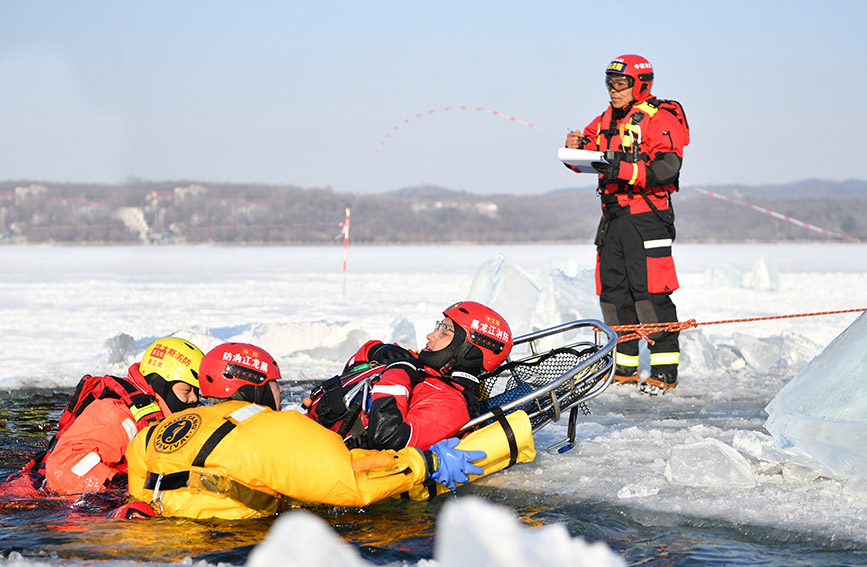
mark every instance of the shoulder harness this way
{"type": "Point", "coordinates": [263, 502]}
{"type": "Point", "coordinates": [143, 406]}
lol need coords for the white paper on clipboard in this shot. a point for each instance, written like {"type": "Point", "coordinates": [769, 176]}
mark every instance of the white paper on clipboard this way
{"type": "Point", "coordinates": [580, 159]}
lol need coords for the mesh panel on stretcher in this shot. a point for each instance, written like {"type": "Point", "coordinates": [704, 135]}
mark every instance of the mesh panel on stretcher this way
{"type": "Point", "coordinates": [517, 380]}
{"type": "Point", "coordinates": [547, 384]}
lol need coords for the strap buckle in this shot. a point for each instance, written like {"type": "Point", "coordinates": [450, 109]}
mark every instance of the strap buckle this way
{"type": "Point", "coordinates": [158, 494]}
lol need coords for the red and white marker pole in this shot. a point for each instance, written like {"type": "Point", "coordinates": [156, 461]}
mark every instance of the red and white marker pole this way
{"type": "Point", "coordinates": [345, 231]}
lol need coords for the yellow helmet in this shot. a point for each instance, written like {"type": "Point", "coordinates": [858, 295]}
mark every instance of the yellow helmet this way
{"type": "Point", "coordinates": [174, 360]}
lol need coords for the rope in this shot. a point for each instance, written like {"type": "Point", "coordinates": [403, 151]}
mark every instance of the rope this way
{"type": "Point", "coordinates": [643, 330]}
{"type": "Point", "coordinates": [418, 115]}
{"type": "Point", "coordinates": [777, 215]}
{"type": "Point", "coordinates": [461, 107]}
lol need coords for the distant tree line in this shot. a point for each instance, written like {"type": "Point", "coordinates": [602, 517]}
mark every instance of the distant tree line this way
{"type": "Point", "coordinates": [226, 213]}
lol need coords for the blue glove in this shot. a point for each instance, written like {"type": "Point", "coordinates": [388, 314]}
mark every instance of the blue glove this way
{"type": "Point", "coordinates": [454, 464]}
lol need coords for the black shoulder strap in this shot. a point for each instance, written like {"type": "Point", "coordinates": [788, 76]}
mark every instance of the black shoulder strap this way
{"type": "Point", "coordinates": [333, 396]}
{"type": "Point", "coordinates": [468, 386]}
{"type": "Point", "coordinates": [411, 367]}
{"type": "Point", "coordinates": [610, 130]}
{"type": "Point", "coordinates": [212, 443]}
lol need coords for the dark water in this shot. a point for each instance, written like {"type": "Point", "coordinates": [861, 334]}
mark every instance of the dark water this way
{"type": "Point", "coordinates": [397, 531]}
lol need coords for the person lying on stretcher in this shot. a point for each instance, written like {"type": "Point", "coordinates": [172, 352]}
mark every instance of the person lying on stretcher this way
{"type": "Point", "coordinates": [415, 399]}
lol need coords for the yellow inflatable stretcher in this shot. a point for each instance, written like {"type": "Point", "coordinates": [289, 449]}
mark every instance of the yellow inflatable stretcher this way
{"type": "Point", "coordinates": [239, 460]}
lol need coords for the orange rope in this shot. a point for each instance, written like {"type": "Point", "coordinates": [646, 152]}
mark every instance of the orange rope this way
{"type": "Point", "coordinates": [643, 330]}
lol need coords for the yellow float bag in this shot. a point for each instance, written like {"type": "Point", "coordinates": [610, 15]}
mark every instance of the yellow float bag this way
{"type": "Point", "coordinates": [237, 460]}
{"type": "Point", "coordinates": [494, 440]}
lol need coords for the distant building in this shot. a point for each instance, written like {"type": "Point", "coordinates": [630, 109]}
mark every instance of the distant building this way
{"type": "Point", "coordinates": [190, 192]}
{"type": "Point", "coordinates": [487, 209]}
{"type": "Point", "coordinates": [29, 194]}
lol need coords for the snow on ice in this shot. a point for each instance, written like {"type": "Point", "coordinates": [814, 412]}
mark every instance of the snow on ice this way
{"type": "Point", "coordinates": [470, 533]}
{"type": "Point", "coordinates": [703, 451]}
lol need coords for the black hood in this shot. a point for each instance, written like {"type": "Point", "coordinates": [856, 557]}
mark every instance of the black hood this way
{"type": "Point", "coordinates": [164, 389]}
{"type": "Point", "coordinates": [460, 355]}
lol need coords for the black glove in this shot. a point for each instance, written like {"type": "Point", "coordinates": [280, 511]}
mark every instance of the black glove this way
{"type": "Point", "coordinates": [609, 171]}
{"type": "Point", "coordinates": [386, 353]}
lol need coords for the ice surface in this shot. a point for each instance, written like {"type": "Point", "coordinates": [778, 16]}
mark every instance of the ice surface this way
{"type": "Point", "coordinates": [60, 306]}
{"type": "Point", "coordinates": [723, 275]}
{"type": "Point", "coordinates": [698, 356]}
{"type": "Point", "coordinates": [316, 339]}
{"type": "Point", "coordinates": [569, 297]}
{"type": "Point", "coordinates": [773, 353]}
{"type": "Point", "coordinates": [822, 412]}
{"type": "Point", "coordinates": [566, 297]}
{"type": "Point", "coordinates": [764, 275]}
{"type": "Point", "coordinates": [403, 333]}
{"type": "Point", "coordinates": [507, 289]}
{"type": "Point", "coordinates": [121, 348]}
{"type": "Point", "coordinates": [708, 463]}
{"type": "Point", "coordinates": [770, 459]}
{"type": "Point", "coordinates": [565, 264]}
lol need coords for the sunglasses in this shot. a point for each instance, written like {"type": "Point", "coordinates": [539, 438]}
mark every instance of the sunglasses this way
{"type": "Point", "coordinates": [618, 84]}
{"type": "Point", "coordinates": [443, 329]}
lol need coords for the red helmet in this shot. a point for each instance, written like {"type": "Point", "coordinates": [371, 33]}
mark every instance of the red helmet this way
{"type": "Point", "coordinates": [485, 329]}
{"type": "Point", "coordinates": [228, 367]}
{"type": "Point", "coordinates": [638, 69]}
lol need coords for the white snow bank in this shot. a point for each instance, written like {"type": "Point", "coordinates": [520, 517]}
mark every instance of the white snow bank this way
{"type": "Point", "coordinates": [302, 538]}
{"type": "Point", "coordinates": [470, 532]}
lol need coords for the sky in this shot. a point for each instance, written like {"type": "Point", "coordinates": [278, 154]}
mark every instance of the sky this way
{"type": "Point", "coordinates": [315, 94]}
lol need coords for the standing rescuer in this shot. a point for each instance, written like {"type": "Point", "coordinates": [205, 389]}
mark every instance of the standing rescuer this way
{"type": "Point", "coordinates": [642, 138]}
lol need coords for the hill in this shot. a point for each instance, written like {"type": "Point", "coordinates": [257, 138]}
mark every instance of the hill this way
{"type": "Point", "coordinates": [195, 212]}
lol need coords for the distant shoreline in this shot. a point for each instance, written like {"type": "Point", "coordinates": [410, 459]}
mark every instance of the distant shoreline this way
{"type": "Point", "coordinates": [267, 215]}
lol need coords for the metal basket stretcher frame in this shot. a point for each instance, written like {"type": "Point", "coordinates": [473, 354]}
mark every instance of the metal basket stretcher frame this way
{"type": "Point", "coordinates": [585, 380]}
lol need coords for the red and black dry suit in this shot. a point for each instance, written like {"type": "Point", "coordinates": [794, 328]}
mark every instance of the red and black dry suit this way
{"type": "Point", "coordinates": [635, 272]}
{"type": "Point", "coordinates": [413, 405]}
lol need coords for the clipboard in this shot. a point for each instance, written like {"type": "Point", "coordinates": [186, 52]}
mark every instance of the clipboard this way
{"type": "Point", "coordinates": [580, 159]}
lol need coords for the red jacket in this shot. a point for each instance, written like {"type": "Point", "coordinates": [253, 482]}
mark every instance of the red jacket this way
{"type": "Point", "coordinates": [91, 452]}
{"type": "Point", "coordinates": [660, 132]}
{"type": "Point", "coordinates": [412, 405]}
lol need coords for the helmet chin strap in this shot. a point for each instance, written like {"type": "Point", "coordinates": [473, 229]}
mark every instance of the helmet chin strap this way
{"type": "Point", "coordinates": [441, 360]}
